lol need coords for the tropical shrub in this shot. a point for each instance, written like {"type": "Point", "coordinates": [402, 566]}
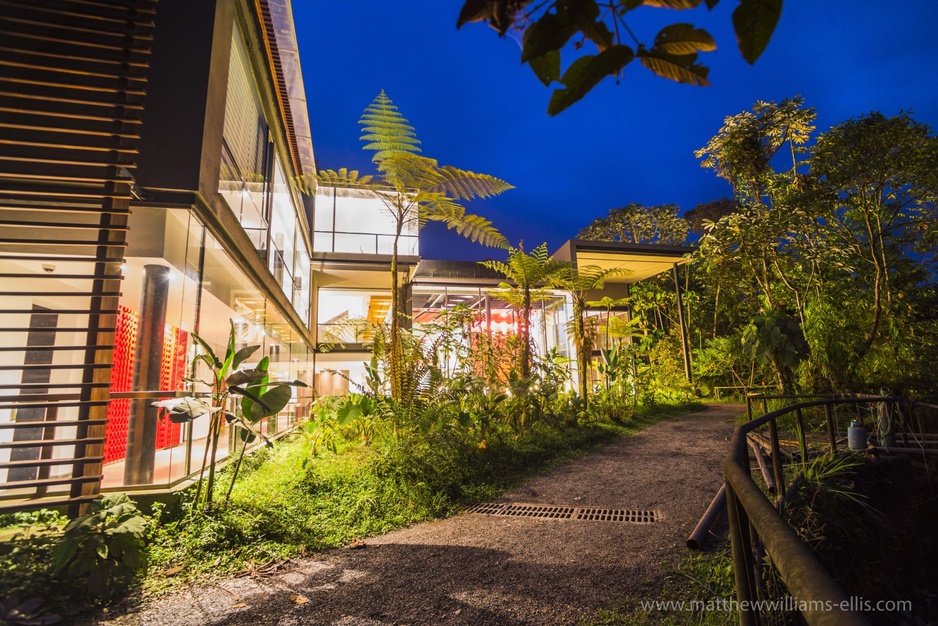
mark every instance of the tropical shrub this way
{"type": "Point", "coordinates": [104, 548]}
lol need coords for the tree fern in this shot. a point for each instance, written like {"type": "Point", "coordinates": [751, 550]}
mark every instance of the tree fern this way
{"type": "Point", "coordinates": [578, 282]}
{"type": "Point", "coordinates": [529, 273]}
{"type": "Point", "coordinates": [415, 189]}
{"type": "Point", "coordinates": [386, 130]}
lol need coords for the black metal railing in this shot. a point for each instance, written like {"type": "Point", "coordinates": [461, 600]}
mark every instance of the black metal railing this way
{"type": "Point", "coordinates": [757, 530]}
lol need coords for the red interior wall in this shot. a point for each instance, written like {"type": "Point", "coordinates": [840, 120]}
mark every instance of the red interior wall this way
{"type": "Point", "coordinates": [172, 371]}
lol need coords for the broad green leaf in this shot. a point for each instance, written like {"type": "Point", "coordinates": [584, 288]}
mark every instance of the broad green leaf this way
{"type": "Point", "coordinates": [63, 553]}
{"type": "Point", "coordinates": [754, 22]}
{"type": "Point", "coordinates": [230, 351]}
{"type": "Point", "coordinates": [243, 354]}
{"type": "Point", "coordinates": [474, 11]}
{"type": "Point", "coordinates": [214, 363]}
{"type": "Point", "coordinates": [136, 526]}
{"type": "Point", "coordinates": [247, 403]}
{"type": "Point", "coordinates": [549, 32]}
{"type": "Point", "coordinates": [246, 376]}
{"type": "Point", "coordinates": [684, 39]}
{"type": "Point", "coordinates": [276, 398]}
{"type": "Point", "coordinates": [182, 410]}
{"type": "Point", "coordinates": [680, 68]}
{"type": "Point", "coordinates": [547, 66]}
{"type": "Point", "coordinates": [259, 407]}
{"type": "Point", "coordinates": [348, 413]}
{"type": "Point", "coordinates": [585, 73]}
{"type": "Point", "coordinates": [585, 15]}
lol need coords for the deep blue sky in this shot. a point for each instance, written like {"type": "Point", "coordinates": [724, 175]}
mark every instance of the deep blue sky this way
{"type": "Point", "coordinates": [475, 106]}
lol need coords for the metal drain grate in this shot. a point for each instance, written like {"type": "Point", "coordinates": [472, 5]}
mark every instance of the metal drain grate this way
{"type": "Point", "coordinates": [618, 515]}
{"type": "Point", "coordinates": [540, 511]}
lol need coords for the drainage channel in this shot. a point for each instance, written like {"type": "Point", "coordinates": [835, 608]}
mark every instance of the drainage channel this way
{"type": "Point", "coordinates": [547, 511]}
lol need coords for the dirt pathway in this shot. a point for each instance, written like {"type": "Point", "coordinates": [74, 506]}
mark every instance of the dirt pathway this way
{"type": "Point", "coordinates": [477, 569]}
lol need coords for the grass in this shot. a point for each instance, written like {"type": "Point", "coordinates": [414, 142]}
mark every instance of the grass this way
{"type": "Point", "coordinates": [287, 503]}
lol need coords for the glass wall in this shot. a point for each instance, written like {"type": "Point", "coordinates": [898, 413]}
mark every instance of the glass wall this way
{"type": "Point", "coordinates": [246, 148]}
{"type": "Point", "coordinates": [255, 186]}
{"type": "Point", "coordinates": [178, 280]}
{"type": "Point", "coordinates": [349, 315]}
{"type": "Point", "coordinates": [355, 221]}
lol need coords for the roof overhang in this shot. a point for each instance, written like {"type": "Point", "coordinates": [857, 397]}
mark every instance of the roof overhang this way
{"type": "Point", "coordinates": [284, 57]}
{"type": "Point", "coordinates": [441, 272]}
{"type": "Point", "coordinates": [641, 260]}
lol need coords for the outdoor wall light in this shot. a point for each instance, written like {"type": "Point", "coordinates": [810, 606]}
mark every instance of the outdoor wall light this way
{"type": "Point", "coordinates": [48, 268]}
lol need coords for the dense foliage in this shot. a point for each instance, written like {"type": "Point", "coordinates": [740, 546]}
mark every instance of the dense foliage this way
{"type": "Point", "coordinates": [819, 274]}
{"type": "Point", "coordinates": [414, 189]}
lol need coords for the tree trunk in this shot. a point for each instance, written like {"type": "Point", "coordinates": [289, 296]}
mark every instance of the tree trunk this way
{"type": "Point", "coordinates": [582, 353]}
{"type": "Point", "coordinates": [526, 335]}
{"type": "Point", "coordinates": [395, 347]}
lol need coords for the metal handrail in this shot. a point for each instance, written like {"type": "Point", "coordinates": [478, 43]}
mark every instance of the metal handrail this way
{"type": "Point", "coordinates": [752, 516]}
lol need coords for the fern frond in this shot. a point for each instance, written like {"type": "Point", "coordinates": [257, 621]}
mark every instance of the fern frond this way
{"type": "Point", "coordinates": [473, 227]}
{"type": "Point", "coordinates": [586, 278]}
{"type": "Point", "coordinates": [344, 178]}
{"type": "Point", "coordinates": [306, 183]}
{"type": "Point", "coordinates": [498, 266]}
{"type": "Point", "coordinates": [466, 185]}
{"type": "Point", "coordinates": [406, 171]}
{"type": "Point", "coordinates": [385, 130]}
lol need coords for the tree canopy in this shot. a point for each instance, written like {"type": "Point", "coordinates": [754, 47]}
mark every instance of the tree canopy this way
{"type": "Point", "coordinates": [636, 223]}
{"type": "Point", "coordinates": [547, 27]}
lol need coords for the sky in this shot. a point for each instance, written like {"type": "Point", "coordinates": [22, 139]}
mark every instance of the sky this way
{"type": "Point", "coordinates": [475, 106]}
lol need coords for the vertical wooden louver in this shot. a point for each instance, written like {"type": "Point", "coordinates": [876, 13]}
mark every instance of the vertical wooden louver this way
{"type": "Point", "coordinates": [72, 80]}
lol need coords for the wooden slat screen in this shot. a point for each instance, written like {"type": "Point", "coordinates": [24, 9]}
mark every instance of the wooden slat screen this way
{"type": "Point", "coordinates": [72, 87]}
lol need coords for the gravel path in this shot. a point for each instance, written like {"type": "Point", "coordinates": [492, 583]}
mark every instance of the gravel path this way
{"type": "Point", "coordinates": [478, 569]}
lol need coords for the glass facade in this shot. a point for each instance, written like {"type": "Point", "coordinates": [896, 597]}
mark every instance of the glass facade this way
{"type": "Point", "coordinates": [246, 148]}
{"type": "Point", "coordinates": [255, 186]}
{"type": "Point", "coordinates": [346, 318]}
{"type": "Point", "coordinates": [356, 222]}
{"type": "Point", "coordinates": [349, 315]}
{"type": "Point", "coordinates": [179, 282]}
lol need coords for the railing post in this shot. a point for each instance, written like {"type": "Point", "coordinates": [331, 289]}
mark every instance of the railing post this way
{"type": "Point", "coordinates": [749, 405]}
{"type": "Point", "coordinates": [831, 436]}
{"type": "Point", "coordinates": [742, 557]}
{"type": "Point", "coordinates": [777, 461]}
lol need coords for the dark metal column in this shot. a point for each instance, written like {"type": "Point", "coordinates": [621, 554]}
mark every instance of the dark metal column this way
{"type": "Point", "coordinates": [680, 319]}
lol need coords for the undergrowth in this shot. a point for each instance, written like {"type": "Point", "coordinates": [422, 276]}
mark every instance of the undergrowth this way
{"type": "Point", "coordinates": [288, 504]}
